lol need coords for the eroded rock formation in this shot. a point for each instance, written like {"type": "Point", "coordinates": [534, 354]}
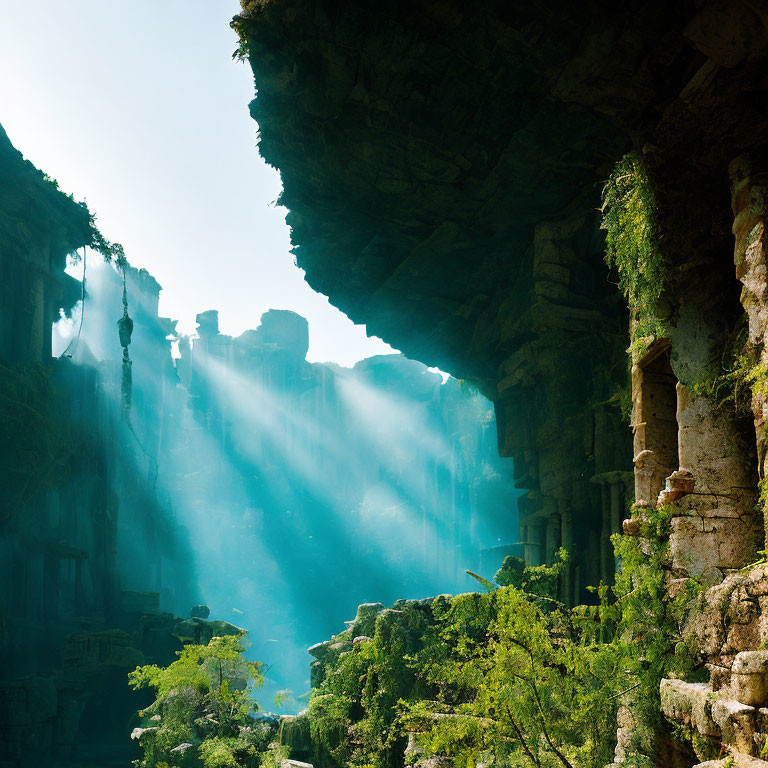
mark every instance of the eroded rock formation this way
{"type": "Point", "coordinates": [442, 166]}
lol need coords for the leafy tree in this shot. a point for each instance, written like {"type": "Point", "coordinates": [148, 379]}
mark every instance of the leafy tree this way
{"type": "Point", "coordinates": [204, 713]}
{"type": "Point", "coordinates": [511, 677]}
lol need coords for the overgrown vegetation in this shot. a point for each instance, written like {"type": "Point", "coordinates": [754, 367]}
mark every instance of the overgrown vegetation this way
{"type": "Point", "coordinates": [111, 252]}
{"type": "Point", "coordinates": [250, 8]}
{"type": "Point", "coordinates": [509, 677]}
{"type": "Point", "coordinates": [204, 713]}
{"type": "Point", "coordinates": [632, 248]}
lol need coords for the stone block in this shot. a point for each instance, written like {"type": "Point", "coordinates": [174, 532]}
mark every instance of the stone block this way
{"type": "Point", "coordinates": [736, 722]}
{"type": "Point", "coordinates": [702, 542]}
{"type": "Point", "coordinates": [749, 678]}
{"type": "Point", "coordinates": [757, 582]}
{"type": "Point", "coordinates": [199, 612]}
{"type": "Point", "coordinates": [688, 704]}
{"type": "Point", "coordinates": [740, 760]}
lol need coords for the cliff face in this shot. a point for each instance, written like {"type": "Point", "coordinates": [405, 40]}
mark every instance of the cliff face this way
{"type": "Point", "coordinates": [442, 166]}
{"type": "Point", "coordinates": [421, 145]}
{"type": "Point", "coordinates": [39, 226]}
{"type": "Point", "coordinates": [442, 169]}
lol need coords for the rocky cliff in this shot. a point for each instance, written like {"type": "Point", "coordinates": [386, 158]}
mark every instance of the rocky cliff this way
{"type": "Point", "coordinates": [442, 167]}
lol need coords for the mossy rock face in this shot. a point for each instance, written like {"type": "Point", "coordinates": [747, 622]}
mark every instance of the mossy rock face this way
{"type": "Point", "coordinates": [421, 147]}
{"type": "Point", "coordinates": [365, 620]}
{"type": "Point", "coordinates": [295, 731]}
{"type": "Point", "coordinates": [200, 631]}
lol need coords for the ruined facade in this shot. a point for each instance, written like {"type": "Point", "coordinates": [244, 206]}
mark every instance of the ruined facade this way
{"type": "Point", "coordinates": [70, 630]}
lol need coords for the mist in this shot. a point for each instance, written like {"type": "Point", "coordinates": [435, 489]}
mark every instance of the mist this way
{"type": "Point", "coordinates": [283, 493]}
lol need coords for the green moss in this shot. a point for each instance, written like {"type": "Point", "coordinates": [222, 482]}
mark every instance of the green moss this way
{"type": "Point", "coordinates": [250, 9]}
{"type": "Point", "coordinates": [111, 252]}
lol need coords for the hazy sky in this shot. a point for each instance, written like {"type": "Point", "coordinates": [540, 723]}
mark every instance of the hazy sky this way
{"type": "Point", "coordinates": [137, 107]}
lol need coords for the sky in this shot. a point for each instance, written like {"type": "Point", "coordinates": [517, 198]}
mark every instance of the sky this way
{"type": "Point", "coordinates": [137, 107]}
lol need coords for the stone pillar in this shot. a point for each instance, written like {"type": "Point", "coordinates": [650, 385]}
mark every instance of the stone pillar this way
{"type": "Point", "coordinates": [534, 540]}
{"type": "Point", "coordinates": [594, 560]}
{"type": "Point", "coordinates": [552, 540]}
{"type": "Point", "coordinates": [749, 201]}
{"type": "Point", "coordinates": [617, 513]}
{"type": "Point", "coordinates": [714, 528]}
{"type": "Point", "coordinates": [616, 492]}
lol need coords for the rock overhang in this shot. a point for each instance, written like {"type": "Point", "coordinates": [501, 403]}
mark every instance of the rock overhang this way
{"type": "Point", "coordinates": [420, 144]}
{"type": "Point", "coordinates": [442, 166]}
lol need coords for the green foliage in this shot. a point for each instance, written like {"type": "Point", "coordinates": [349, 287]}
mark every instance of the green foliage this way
{"type": "Point", "coordinates": [489, 586]}
{"type": "Point", "coordinates": [511, 572]}
{"type": "Point", "coordinates": [281, 697]}
{"type": "Point", "coordinates": [740, 376]}
{"type": "Point", "coordinates": [111, 252]}
{"type": "Point", "coordinates": [218, 752]}
{"type": "Point", "coordinates": [651, 641]}
{"type": "Point", "coordinates": [250, 8]}
{"type": "Point", "coordinates": [511, 676]}
{"type": "Point", "coordinates": [631, 240]}
{"type": "Point", "coordinates": [204, 713]}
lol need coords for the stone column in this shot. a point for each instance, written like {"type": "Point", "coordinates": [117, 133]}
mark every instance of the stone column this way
{"type": "Point", "coordinates": [617, 513]}
{"type": "Point", "coordinates": [594, 561]}
{"type": "Point", "coordinates": [534, 540]}
{"type": "Point", "coordinates": [750, 226]}
{"type": "Point", "coordinates": [552, 541]}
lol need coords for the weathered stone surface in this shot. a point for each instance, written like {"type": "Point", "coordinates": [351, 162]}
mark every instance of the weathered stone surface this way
{"type": "Point", "coordinates": [365, 620]}
{"type": "Point", "coordinates": [413, 195]}
{"type": "Point", "coordinates": [736, 722]}
{"type": "Point", "coordinates": [294, 764]}
{"type": "Point", "coordinates": [749, 678]}
{"type": "Point", "coordinates": [689, 704]}
{"type": "Point", "coordinates": [199, 612]}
